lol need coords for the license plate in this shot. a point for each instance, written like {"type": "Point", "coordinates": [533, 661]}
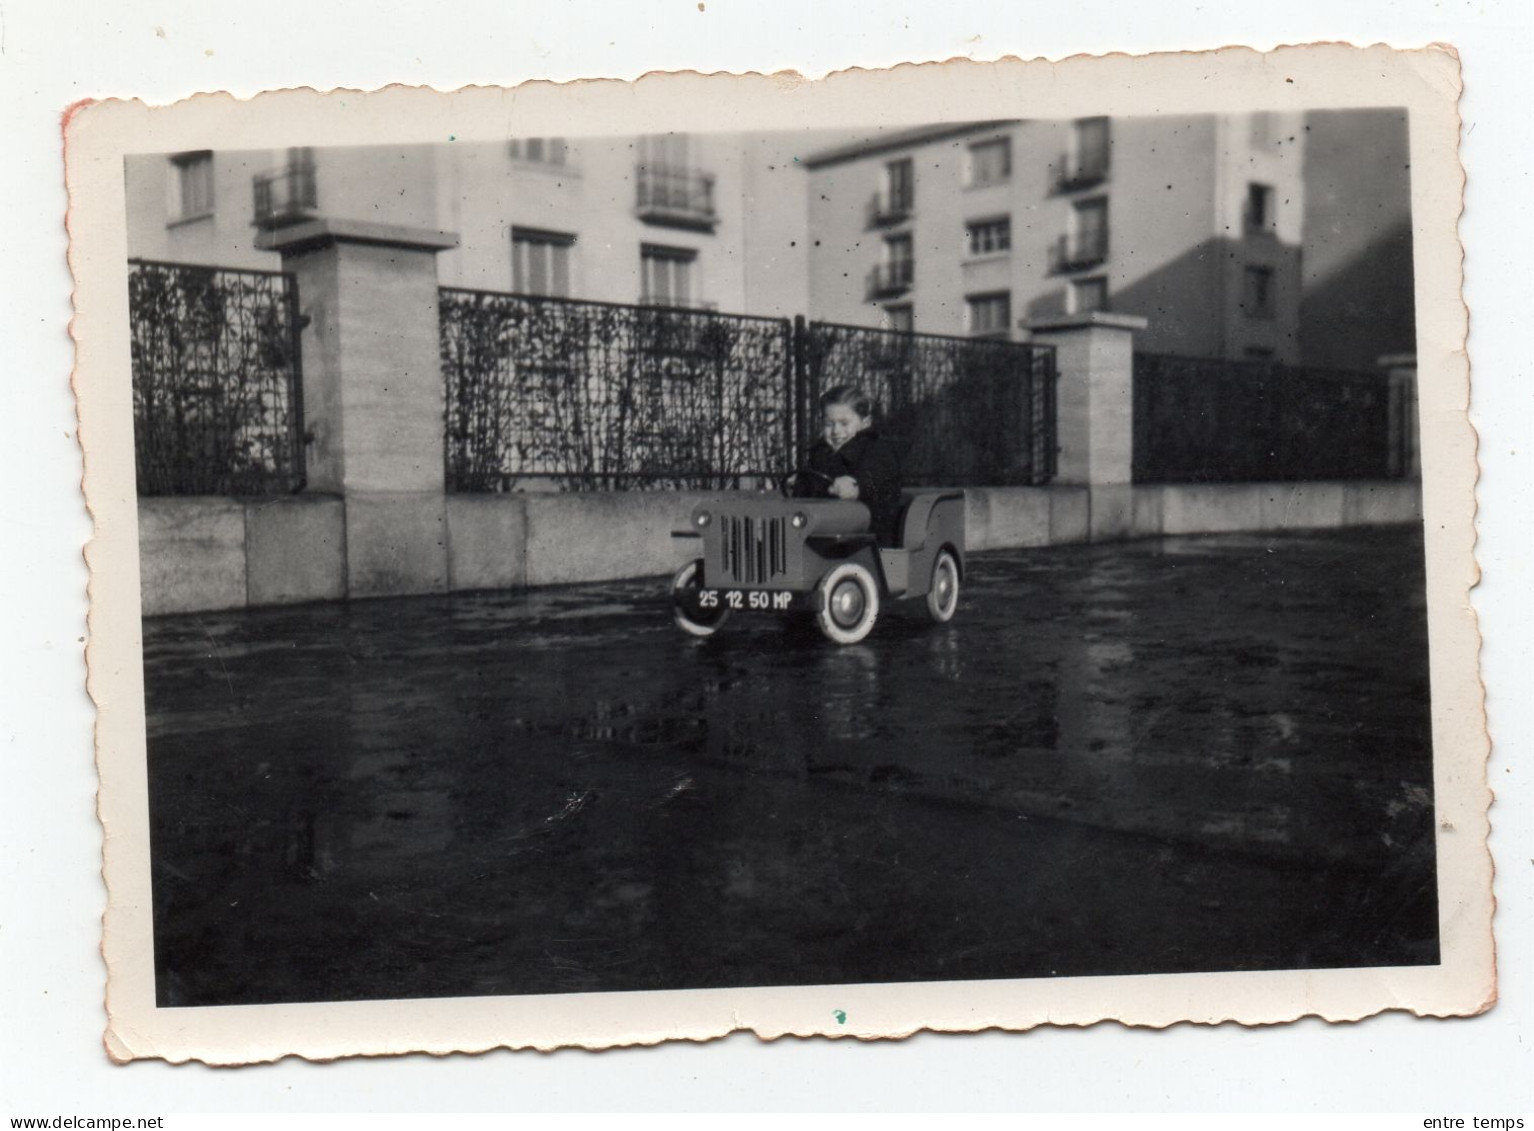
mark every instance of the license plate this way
{"type": "Point", "coordinates": [744, 599]}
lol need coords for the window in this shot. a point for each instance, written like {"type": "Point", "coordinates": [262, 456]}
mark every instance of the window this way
{"type": "Point", "coordinates": [900, 260]}
{"type": "Point", "coordinates": [1257, 299]}
{"type": "Point", "coordinates": [1261, 130]}
{"type": "Point", "coordinates": [540, 261]}
{"type": "Point", "coordinates": [1088, 295]}
{"type": "Point", "coordinates": [990, 315]}
{"type": "Point", "coordinates": [540, 150]}
{"type": "Point", "coordinates": [987, 237]}
{"type": "Point", "coordinates": [900, 185]}
{"type": "Point", "coordinates": [990, 162]}
{"type": "Point", "coordinates": [901, 317]}
{"type": "Point", "coordinates": [1092, 150]}
{"type": "Point", "coordinates": [666, 151]}
{"type": "Point", "coordinates": [1259, 208]}
{"type": "Point", "coordinates": [1091, 231]}
{"type": "Point", "coordinates": [193, 192]}
{"type": "Point", "coordinates": [666, 275]}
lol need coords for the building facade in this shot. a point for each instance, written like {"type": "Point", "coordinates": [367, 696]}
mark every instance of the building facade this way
{"type": "Point", "coordinates": [1193, 222]}
{"type": "Point", "coordinates": [703, 222]}
{"type": "Point", "coordinates": [1265, 236]}
{"type": "Point", "coordinates": [1356, 294]}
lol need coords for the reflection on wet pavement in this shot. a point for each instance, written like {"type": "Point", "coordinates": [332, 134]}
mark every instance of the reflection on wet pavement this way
{"type": "Point", "coordinates": [1184, 754]}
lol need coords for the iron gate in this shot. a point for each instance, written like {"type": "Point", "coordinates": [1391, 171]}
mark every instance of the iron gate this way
{"type": "Point", "coordinates": [590, 395]}
{"type": "Point", "coordinates": [217, 382]}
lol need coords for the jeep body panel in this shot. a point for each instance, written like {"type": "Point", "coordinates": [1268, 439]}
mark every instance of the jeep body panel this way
{"type": "Point", "coordinates": [751, 543]}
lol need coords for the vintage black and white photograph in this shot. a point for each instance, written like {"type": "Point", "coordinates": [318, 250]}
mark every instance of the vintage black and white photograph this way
{"type": "Point", "coordinates": [861, 553]}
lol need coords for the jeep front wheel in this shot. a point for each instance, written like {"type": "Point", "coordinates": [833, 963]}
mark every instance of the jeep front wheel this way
{"type": "Point", "coordinates": [849, 603]}
{"type": "Point", "coordinates": [684, 603]}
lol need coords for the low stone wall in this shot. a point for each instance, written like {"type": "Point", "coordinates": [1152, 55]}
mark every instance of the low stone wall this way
{"type": "Point", "coordinates": [207, 553]}
{"type": "Point", "coordinates": [1006, 517]}
{"type": "Point", "coordinates": [505, 541]}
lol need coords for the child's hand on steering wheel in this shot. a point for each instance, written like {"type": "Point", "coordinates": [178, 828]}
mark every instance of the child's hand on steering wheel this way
{"type": "Point", "coordinates": [844, 487]}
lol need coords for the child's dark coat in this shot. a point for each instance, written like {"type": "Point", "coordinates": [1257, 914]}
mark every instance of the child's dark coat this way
{"type": "Point", "coordinates": [876, 467]}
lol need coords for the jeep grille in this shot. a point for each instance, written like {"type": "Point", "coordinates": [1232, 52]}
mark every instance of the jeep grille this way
{"type": "Point", "coordinates": [755, 550]}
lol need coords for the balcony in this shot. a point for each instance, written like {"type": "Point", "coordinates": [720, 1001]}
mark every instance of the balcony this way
{"type": "Point", "coordinates": [887, 208]}
{"type": "Point", "coordinates": [676, 198]}
{"type": "Point", "coordinates": [1081, 170]}
{"type": "Point", "coordinates": [1078, 252]}
{"type": "Point", "coordinates": [286, 196]}
{"type": "Point", "coordinates": [892, 278]}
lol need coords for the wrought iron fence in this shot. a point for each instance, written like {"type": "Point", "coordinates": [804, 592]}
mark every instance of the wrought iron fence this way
{"type": "Point", "coordinates": [963, 411]}
{"type": "Point", "coordinates": [600, 395]}
{"type": "Point", "coordinates": [1207, 420]}
{"type": "Point", "coordinates": [217, 384]}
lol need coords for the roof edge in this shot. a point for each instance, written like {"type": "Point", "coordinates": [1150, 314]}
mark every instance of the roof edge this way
{"type": "Point", "coordinates": [900, 139]}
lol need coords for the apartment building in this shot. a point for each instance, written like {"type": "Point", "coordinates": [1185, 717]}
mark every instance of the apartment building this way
{"type": "Point", "coordinates": [1356, 293]}
{"type": "Point", "coordinates": [712, 221]}
{"type": "Point", "coordinates": [1194, 222]}
{"type": "Point", "coordinates": [1248, 236]}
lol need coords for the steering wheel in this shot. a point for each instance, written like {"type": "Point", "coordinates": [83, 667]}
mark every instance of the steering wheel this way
{"type": "Point", "coordinates": [786, 480]}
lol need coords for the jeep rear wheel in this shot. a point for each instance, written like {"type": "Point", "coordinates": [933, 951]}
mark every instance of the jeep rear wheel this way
{"type": "Point", "coordinates": [943, 593]}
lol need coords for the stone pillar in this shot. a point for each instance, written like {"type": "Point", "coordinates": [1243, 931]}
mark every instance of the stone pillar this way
{"type": "Point", "coordinates": [1405, 453]}
{"type": "Point", "coordinates": [373, 394]}
{"type": "Point", "coordinates": [1094, 354]}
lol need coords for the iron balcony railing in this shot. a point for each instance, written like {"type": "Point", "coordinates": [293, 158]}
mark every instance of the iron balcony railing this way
{"type": "Point", "coordinates": [1081, 170]}
{"type": "Point", "coordinates": [892, 278]}
{"type": "Point", "coordinates": [1078, 252]}
{"type": "Point", "coordinates": [887, 208]}
{"type": "Point", "coordinates": [285, 196]}
{"type": "Point", "coordinates": [681, 198]}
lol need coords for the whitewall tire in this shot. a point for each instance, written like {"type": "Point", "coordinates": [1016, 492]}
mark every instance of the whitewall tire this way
{"type": "Point", "coordinates": [848, 604]}
{"type": "Point", "coordinates": [694, 621]}
{"type": "Point", "coordinates": [943, 593]}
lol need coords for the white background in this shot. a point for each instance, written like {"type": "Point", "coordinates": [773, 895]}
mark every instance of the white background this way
{"type": "Point", "coordinates": [51, 977]}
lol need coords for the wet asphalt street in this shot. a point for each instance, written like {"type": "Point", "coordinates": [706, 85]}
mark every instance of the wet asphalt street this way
{"type": "Point", "coordinates": [1182, 754]}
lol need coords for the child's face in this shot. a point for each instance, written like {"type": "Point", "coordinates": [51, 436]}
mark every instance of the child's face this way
{"type": "Point", "coordinates": [843, 423]}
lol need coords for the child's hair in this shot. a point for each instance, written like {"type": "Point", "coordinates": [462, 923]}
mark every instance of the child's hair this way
{"type": "Point", "coordinates": [850, 395]}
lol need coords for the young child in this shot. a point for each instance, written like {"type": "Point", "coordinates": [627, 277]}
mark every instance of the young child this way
{"type": "Point", "coordinates": [850, 461]}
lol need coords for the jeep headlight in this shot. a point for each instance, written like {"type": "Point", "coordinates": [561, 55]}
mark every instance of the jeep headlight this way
{"type": "Point", "coordinates": [702, 518]}
{"type": "Point", "coordinates": [800, 520]}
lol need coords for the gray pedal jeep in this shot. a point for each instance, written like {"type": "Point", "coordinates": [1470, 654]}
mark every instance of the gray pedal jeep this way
{"type": "Point", "coordinates": [766, 554]}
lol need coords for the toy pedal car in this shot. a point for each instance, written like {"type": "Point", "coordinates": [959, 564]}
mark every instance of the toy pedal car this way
{"type": "Point", "coordinates": [818, 557]}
